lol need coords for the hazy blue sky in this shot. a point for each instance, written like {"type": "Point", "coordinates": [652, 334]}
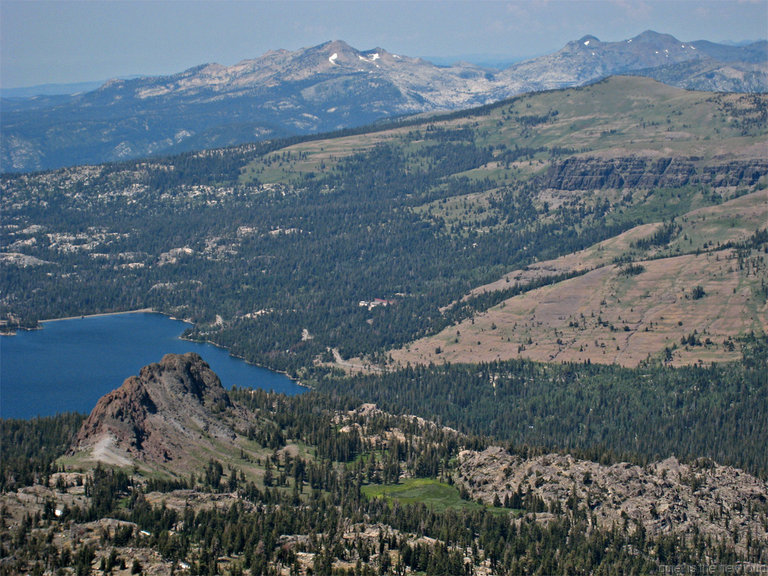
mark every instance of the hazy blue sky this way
{"type": "Point", "coordinates": [74, 41]}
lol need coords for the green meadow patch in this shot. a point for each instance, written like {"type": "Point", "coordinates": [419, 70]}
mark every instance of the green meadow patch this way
{"type": "Point", "coordinates": [432, 493]}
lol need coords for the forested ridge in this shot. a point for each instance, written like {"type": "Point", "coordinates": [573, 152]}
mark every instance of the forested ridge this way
{"type": "Point", "coordinates": [327, 252]}
{"type": "Point", "coordinates": [295, 253]}
{"type": "Point", "coordinates": [318, 511]}
{"type": "Point", "coordinates": [605, 413]}
{"type": "Point", "coordinates": [284, 239]}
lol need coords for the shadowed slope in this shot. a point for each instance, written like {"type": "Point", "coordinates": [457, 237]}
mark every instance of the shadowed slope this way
{"type": "Point", "coordinates": [166, 413]}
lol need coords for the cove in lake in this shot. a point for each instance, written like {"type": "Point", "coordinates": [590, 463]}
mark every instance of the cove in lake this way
{"type": "Point", "coordinates": [69, 364]}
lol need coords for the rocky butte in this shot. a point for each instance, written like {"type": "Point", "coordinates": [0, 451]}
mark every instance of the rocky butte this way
{"type": "Point", "coordinates": [167, 413]}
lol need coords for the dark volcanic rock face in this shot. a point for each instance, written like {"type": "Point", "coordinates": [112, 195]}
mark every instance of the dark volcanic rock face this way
{"type": "Point", "coordinates": [589, 173]}
{"type": "Point", "coordinates": [187, 374]}
{"type": "Point", "coordinates": [161, 414]}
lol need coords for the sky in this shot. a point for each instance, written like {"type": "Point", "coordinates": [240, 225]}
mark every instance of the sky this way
{"type": "Point", "coordinates": [64, 41]}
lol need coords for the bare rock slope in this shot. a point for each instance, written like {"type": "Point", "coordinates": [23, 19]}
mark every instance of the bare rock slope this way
{"type": "Point", "coordinates": [667, 497]}
{"type": "Point", "coordinates": [166, 413]}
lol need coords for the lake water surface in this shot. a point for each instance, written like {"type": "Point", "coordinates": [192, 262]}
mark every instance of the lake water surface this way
{"type": "Point", "coordinates": [69, 364]}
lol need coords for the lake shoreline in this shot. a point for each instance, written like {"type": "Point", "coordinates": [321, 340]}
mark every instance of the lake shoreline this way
{"type": "Point", "coordinates": [211, 342]}
{"type": "Point", "coordinates": [15, 329]}
{"type": "Point", "coordinates": [129, 321]}
{"type": "Point", "coordinates": [140, 310]}
{"type": "Point", "coordinates": [241, 358]}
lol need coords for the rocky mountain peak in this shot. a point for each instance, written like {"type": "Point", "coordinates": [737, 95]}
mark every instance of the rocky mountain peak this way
{"type": "Point", "coordinates": [587, 40]}
{"type": "Point", "coordinates": [338, 46]}
{"type": "Point", "coordinates": [333, 86]}
{"type": "Point", "coordinates": [158, 415]}
{"type": "Point", "coordinates": [654, 37]}
{"type": "Point", "coordinates": [179, 375]}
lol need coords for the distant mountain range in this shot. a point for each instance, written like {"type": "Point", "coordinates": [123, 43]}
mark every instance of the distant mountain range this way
{"type": "Point", "coordinates": [330, 87]}
{"type": "Point", "coordinates": [49, 89]}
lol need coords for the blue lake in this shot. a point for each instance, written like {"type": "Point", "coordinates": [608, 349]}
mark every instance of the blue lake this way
{"type": "Point", "coordinates": [69, 364]}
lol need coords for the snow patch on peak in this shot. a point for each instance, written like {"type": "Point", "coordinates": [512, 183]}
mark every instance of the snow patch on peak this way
{"type": "Point", "coordinates": [332, 58]}
{"type": "Point", "coordinates": [588, 40]}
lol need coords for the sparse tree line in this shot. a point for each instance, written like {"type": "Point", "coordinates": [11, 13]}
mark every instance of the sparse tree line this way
{"type": "Point", "coordinates": [320, 498]}
{"type": "Point", "coordinates": [604, 413]}
{"type": "Point", "coordinates": [372, 225]}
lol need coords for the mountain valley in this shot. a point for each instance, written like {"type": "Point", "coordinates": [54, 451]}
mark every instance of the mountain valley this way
{"type": "Point", "coordinates": [296, 235]}
{"type": "Point", "coordinates": [533, 333]}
